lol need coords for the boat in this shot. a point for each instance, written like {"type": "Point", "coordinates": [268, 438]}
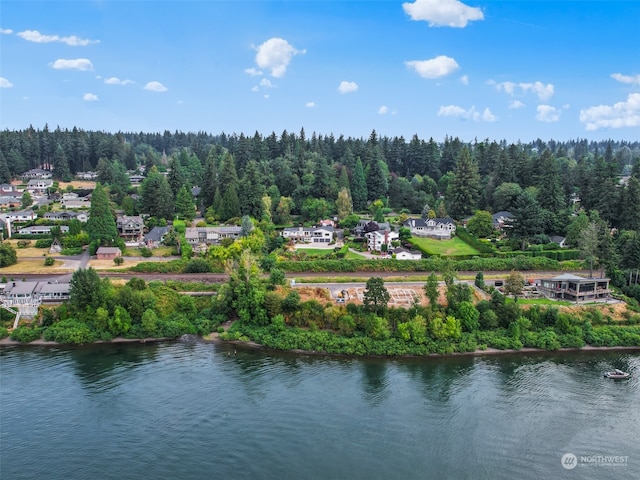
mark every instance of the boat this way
{"type": "Point", "coordinates": [617, 374]}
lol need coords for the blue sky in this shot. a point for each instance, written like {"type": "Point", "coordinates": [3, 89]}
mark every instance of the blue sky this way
{"type": "Point", "coordinates": [514, 70]}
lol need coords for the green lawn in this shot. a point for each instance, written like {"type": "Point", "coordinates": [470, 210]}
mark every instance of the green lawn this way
{"type": "Point", "coordinates": [315, 251]}
{"type": "Point", "coordinates": [354, 256]}
{"type": "Point", "coordinates": [455, 246]}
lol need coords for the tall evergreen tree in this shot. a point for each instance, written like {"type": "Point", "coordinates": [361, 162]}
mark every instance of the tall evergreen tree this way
{"type": "Point", "coordinates": [252, 191]}
{"type": "Point", "coordinates": [527, 220]}
{"type": "Point", "coordinates": [630, 216]}
{"type": "Point", "coordinates": [322, 187]}
{"type": "Point", "coordinates": [462, 194]}
{"type": "Point", "coordinates": [210, 181]}
{"type": "Point", "coordinates": [156, 196]}
{"type": "Point", "coordinates": [185, 207]}
{"type": "Point", "coordinates": [5, 174]}
{"type": "Point", "coordinates": [230, 205]}
{"type": "Point", "coordinates": [551, 194]}
{"type": "Point", "coordinates": [176, 176]}
{"type": "Point", "coordinates": [101, 225]}
{"type": "Point", "coordinates": [377, 183]}
{"type": "Point", "coordinates": [61, 164]}
{"type": "Point", "coordinates": [359, 187]}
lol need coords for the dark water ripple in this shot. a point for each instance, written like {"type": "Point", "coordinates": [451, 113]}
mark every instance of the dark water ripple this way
{"type": "Point", "coordinates": [192, 411]}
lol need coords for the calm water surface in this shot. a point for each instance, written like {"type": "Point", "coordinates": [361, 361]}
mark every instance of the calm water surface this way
{"type": "Point", "coordinates": [201, 411]}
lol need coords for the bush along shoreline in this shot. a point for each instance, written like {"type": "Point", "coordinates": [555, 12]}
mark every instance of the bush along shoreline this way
{"type": "Point", "coordinates": [449, 321]}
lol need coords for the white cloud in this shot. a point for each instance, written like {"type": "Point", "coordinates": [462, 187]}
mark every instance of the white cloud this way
{"type": "Point", "coordinates": [544, 92]}
{"type": "Point", "coordinates": [626, 78]}
{"type": "Point", "coordinates": [275, 54]}
{"type": "Point", "coordinates": [310, 104]}
{"type": "Point", "coordinates": [548, 114]}
{"type": "Point", "coordinates": [77, 64]}
{"type": "Point", "coordinates": [487, 116]}
{"type": "Point", "coordinates": [6, 31]}
{"type": "Point", "coordinates": [621, 114]}
{"type": "Point", "coordinates": [464, 80]}
{"type": "Point", "coordinates": [254, 72]}
{"type": "Point", "coordinates": [90, 97]}
{"type": "Point", "coordinates": [347, 87]}
{"type": "Point", "coordinates": [383, 110]}
{"type": "Point", "coordinates": [254, 88]}
{"type": "Point", "coordinates": [470, 114]}
{"type": "Point", "coordinates": [266, 96]}
{"type": "Point", "coordinates": [117, 81]}
{"type": "Point", "coordinates": [4, 83]}
{"type": "Point", "coordinates": [266, 83]}
{"type": "Point", "coordinates": [434, 68]}
{"type": "Point", "coordinates": [516, 104]}
{"type": "Point", "coordinates": [37, 37]}
{"type": "Point", "coordinates": [442, 13]}
{"type": "Point", "coordinates": [155, 87]}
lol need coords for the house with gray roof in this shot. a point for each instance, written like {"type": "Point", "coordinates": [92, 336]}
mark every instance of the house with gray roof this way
{"type": "Point", "coordinates": [575, 288]}
{"type": "Point", "coordinates": [440, 228]}
{"type": "Point", "coordinates": [154, 238]}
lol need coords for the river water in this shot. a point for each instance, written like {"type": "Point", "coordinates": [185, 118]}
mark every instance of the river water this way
{"type": "Point", "coordinates": [207, 411]}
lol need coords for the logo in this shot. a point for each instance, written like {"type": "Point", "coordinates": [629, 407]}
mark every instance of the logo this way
{"type": "Point", "coordinates": [569, 461]}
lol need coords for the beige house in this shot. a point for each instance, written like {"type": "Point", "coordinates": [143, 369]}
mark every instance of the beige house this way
{"type": "Point", "coordinates": [108, 253]}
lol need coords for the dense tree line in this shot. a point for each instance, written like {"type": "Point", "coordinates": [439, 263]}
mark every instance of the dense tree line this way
{"type": "Point", "coordinates": [586, 190]}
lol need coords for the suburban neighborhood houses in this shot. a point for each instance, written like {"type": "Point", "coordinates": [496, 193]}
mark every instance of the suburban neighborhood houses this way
{"type": "Point", "coordinates": [197, 215]}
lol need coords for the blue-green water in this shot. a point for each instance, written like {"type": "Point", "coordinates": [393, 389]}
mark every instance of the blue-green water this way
{"type": "Point", "coordinates": [203, 411]}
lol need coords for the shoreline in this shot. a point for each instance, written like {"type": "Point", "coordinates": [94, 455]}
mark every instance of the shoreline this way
{"type": "Point", "coordinates": [214, 338]}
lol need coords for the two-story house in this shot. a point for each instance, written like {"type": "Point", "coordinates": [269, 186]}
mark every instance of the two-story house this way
{"type": "Point", "coordinates": [440, 228]}
{"type": "Point", "coordinates": [39, 186]}
{"type": "Point", "coordinates": [376, 240]}
{"type": "Point", "coordinates": [321, 235]}
{"type": "Point", "coordinates": [211, 235]}
{"type": "Point", "coordinates": [130, 227]}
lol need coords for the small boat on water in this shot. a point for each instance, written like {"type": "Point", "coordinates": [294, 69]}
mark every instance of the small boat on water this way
{"type": "Point", "coordinates": [617, 374]}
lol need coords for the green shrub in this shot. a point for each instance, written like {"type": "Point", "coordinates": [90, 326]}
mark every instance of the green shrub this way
{"type": "Point", "coordinates": [49, 261]}
{"type": "Point", "coordinates": [44, 243]}
{"type": "Point", "coordinates": [197, 265]}
{"type": "Point", "coordinates": [26, 334]}
{"type": "Point", "coordinates": [70, 331]}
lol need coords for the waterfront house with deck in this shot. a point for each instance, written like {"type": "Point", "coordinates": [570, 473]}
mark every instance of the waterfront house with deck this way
{"type": "Point", "coordinates": [575, 289]}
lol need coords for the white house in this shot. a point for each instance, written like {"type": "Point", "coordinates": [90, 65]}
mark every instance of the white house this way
{"type": "Point", "coordinates": [441, 228]}
{"type": "Point", "coordinates": [404, 254]}
{"type": "Point", "coordinates": [66, 216]}
{"type": "Point", "coordinates": [22, 216]}
{"type": "Point", "coordinates": [37, 173]}
{"type": "Point", "coordinates": [309, 235]}
{"type": "Point", "coordinates": [39, 186]}
{"type": "Point", "coordinates": [211, 235]}
{"type": "Point", "coordinates": [86, 175]}
{"type": "Point", "coordinates": [502, 219]}
{"type": "Point", "coordinates": [41, 230]}
{"type": "Point", "coordinates": [375, 240]}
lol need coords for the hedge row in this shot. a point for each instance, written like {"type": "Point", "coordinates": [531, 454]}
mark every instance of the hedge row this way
{"type": "Point", "coordinates": [474, 242]}
{"type": "Point", "coordinates": [425, 265]}
{"type": "Point", "coordinates": [559, 255]}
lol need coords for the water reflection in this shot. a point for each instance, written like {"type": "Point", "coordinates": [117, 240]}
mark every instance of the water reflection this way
{"type": "Point", "coordinates": [103, 367]}
{"type": "Point", "coordinates": [374, 381]}
{"type": "Point", "coordinates": [440, 377]}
